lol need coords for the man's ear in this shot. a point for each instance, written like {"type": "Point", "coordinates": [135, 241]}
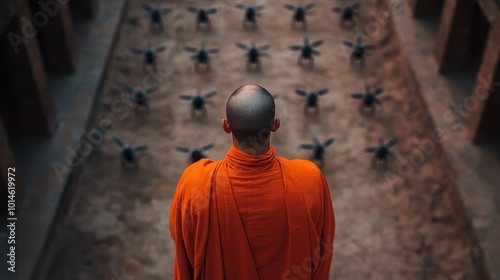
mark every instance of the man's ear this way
{"type": "Point", "coordinates": [276, 124]}
{"type": "Point", "coordinates": [225, 126]}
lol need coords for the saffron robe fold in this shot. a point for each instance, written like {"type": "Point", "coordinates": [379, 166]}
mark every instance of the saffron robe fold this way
{"type": "Point", "coordinates": [208, 229]}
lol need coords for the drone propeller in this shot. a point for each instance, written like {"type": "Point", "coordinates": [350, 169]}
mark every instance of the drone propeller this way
{"type": "Point", "coordinates": [316, 141]}
{"type": "Point", "coordinates": [322, 91]}
{"type": "Point", "coordinates": [166, 11]}
{"type": "Point", "coordinates": [240, 6]}
{"type": "Point", "coordinates": [370, 150]}
{"type": "Point", "coordinates": [185, 97]}
{"type": "Point", "coordinates": [192, 9]}
{"type": "Point", "coordinates": [296, 48]}
{"type": "Point", "coordinates": [317, 43]}
{"type": "Point", "coordinates": [348, 44]}
{"type": "Point", "coordinates": [191, 49]}
{"type": "Point", "coordinates": [119, 142]}
{"type": "Point", "coordinates": [264, 47]}
{"type": "Point", "coordinates": [151, 89]}
{"type": "Point", "coordinates": [212, 51]}
{"type": "Point", "coordinates": [307, 146]}
{"type": "Point", "coordinates": [208, 147]}
{"type": "Point", "coordinates": [161, 49]}
{"type": "Point", "coordinates": [337, 10]}
{"type": "Point", "coordinates": [392, 142]}
{"type": "Point", "coordinates": [241, 46]}
{"type": "Point", "coordinates": [378, 91]}
{"type": "Point", "coordinates": [316, 53]}
{"type": "Point", "coordinates": [329, 142]}
{"type": "Point", "coordinates": [211, 11]}
{"type": "Point", "coordinates": [128, 89]}
{"type": "Point", "coordinates": [137, 51]}
{"type": "Point", "coordinates": [356, 5]}
{"type": "Point", "coordinates": [300, 92]}
{"type": "Point", "coordinates": [141, 148]}
{"type": "Point", "coordinates": [210, 94]}
{"type": "Point", "coordinates": [289, 7]}
{"type": "Point", "coordinates": [309, 6]}
{"type": "Point", "coordinates": [182, 149]}
{"type": "Point", "coordinates": [259, 7]}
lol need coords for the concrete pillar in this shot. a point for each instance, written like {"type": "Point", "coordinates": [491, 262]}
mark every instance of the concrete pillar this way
{"type": "Point", "coordinates": [25, 75]}
{"type": "Point", "coordinates": [455, 30]}
{"type": "Point", "coordinates": [484, 121]}
{"type": "Point", "coordinates": [84, 9]}
{"type": "Point", "coordinates": [56, 35]}
{"type": "Point", "coordinates": [425, 8]}
{"type": "Point", "coordinates": [6, 161]}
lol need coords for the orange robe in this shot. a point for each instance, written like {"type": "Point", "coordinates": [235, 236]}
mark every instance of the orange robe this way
{"type": "Point", "coordinates": [252, 217]}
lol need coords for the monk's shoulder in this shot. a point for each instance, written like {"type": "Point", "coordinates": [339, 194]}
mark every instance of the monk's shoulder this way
{"type": "Point", "coordinates": [196, 175]}
{"type": "Point", "coordinates": [302, 167]}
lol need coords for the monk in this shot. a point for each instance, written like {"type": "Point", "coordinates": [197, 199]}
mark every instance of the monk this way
{"type": "Point", "coordinates": [252, 215]}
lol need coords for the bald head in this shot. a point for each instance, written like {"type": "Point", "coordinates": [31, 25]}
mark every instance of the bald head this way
{"type": "Point", "coordinates": [250, 113]}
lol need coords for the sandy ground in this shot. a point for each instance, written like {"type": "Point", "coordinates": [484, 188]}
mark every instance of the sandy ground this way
{"type": "Point", "coordinates": [116, 223]}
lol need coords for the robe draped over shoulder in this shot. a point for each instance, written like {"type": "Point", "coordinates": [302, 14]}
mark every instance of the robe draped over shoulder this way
{"type": "Point", "coordinates": [211, 237]}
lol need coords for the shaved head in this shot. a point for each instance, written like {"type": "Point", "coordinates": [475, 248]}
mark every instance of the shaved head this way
{"type": "Point", "coordinates": [250, 113]}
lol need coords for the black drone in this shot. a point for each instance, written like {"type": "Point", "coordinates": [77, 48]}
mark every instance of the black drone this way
{"type": "Point", "coordinates": [254, 54]}
{"type": "Point", "coordinates": [156, 14]}
{"type": "Point", "coordinates": [307, 51]}
{"type": "Point", "coordinates": [150, 55]}
{"type": "Point", "coordinates": [382, 152]}
{"type": "Point", "coordinates": [299, 14]}
{"type": "Point", "coordinates": [140, 97]}
{"type": "Point", "coordinates": [195, 154]}
{"type": "Point", "coordinates": [128, 154]}
{"type": "Point", "coordinates": [311, 99]}
{"type": "Point", "coordinates": [202, 17]}
{"type": "Point", "coordinates": [347, 13]}
{"type": "Point", "coordinates": [369, 99]}
{"type": "Point", "coordinates": [358, 49]}
{"type": "Point", "coordinates": [251, 15]}
{"type": "Point", "coordinates": [198, 102]}
{"type": "Point", "coordinates": [318, 150]}
{"type": "Point", "coordinates": [201, 56]}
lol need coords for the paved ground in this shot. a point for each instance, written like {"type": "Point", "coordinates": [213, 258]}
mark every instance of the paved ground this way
{"type": "Point", "coordinates": [406, 222]}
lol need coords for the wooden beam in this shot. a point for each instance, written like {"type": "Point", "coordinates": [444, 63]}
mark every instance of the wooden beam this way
{"type": "Point", "coordinates": [26, 76]}
{"type": "Point", "coordinates": [485, 102]}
